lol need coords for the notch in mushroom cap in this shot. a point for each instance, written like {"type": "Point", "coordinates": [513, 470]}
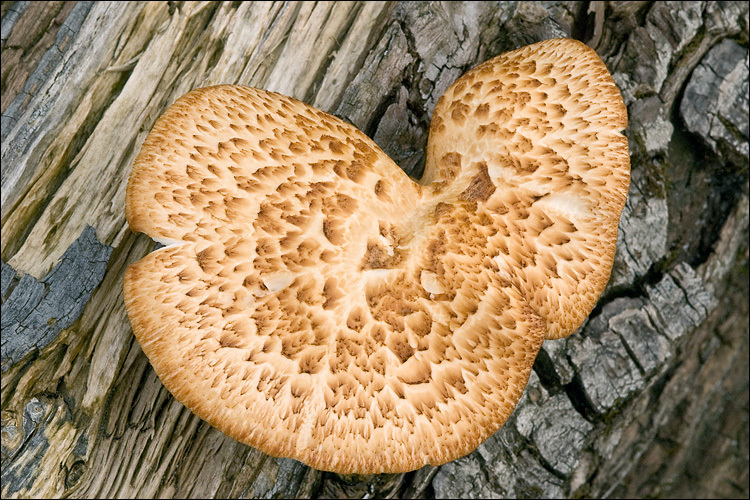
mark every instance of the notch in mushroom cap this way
{"type": "Point", "coordinates": [319, 305]}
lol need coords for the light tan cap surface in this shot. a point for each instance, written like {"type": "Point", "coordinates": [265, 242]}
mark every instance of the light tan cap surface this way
{"type": "Point", "coordinates": [317, 304]}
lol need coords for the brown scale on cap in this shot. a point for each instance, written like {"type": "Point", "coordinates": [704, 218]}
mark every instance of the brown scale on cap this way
{"type": "Point", "coordinates": [318, 304]}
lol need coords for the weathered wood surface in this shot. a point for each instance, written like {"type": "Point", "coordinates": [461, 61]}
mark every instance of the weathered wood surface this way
{"type": "Point", "coordinates": [650, 398]}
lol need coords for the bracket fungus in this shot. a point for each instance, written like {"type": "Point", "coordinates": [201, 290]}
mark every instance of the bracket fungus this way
{"type": "Point", "coordinates": [316, 303]}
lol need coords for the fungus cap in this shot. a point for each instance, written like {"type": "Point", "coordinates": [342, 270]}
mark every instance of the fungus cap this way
{"type": "Point", "coordinates": [316, 303]}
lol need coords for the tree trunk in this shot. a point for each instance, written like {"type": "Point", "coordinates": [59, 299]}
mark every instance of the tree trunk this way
{"type": "Point", "coordinates": [649, 398]}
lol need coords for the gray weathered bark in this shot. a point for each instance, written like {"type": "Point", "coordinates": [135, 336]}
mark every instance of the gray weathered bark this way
{"type": "Point", "coordinates": [649, 398]}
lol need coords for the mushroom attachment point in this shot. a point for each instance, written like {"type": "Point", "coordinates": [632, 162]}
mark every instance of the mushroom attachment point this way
{"type": "Point", "coordinates": [316, 303]}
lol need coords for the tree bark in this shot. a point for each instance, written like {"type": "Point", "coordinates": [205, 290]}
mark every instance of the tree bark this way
{"type": "Point", "coordinates": [648, 398]}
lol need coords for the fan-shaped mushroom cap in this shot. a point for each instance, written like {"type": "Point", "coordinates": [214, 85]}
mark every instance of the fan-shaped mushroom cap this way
{"type": "Point", "coordinates": [316, 303]}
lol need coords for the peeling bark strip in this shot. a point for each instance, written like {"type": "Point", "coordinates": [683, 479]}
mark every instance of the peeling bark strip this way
{"type": "Point", "coordinates": [34, 312]}
{"type": "Point", "coordinates": [649, 399]}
